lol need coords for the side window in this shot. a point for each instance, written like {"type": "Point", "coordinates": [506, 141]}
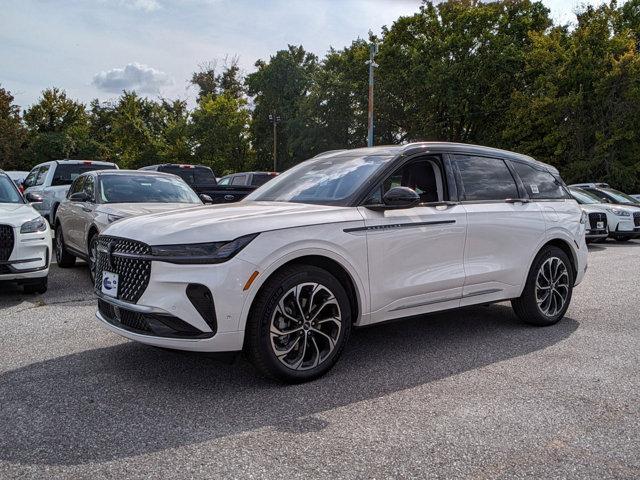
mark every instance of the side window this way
{"type": "Point", "coordinates": [422, 176]}
{"type": "Point", "coordinates": [224, 181]}
{"type": "Point", "coordinates": [238, 180]}
{"type": "Point", "coordinates": [485, 178]}
{"type": "Point", "coordinates": [538, 183]}
{"type": "Point", "coordinates": [89, 188]}
{"type": "Point", "coordinates": [42, 175]}
{"type": "Point", "coordinates": [76, 186]}
{"type": "Point", "coordinates": [30, 181]}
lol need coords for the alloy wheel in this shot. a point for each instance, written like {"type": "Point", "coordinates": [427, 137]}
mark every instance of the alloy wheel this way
{"type": "Point", "coordinates": [305, 326]}
{"type": "Point", "coordinates": [59, 244]}
{"type": "Point", "coordinates": [552, 286]}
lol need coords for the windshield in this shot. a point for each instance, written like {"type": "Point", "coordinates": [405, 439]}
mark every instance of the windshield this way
{"type": "Point", "coordinates": [145, 189]}
{"type": "Point", "coordinates": [584, 197]}
{"type": "Point", "coordinates": [8, 191]}
{"type": "Point", "coordinates": [325, 181]}
{"type": "Point", "coordinates": [620, 197]}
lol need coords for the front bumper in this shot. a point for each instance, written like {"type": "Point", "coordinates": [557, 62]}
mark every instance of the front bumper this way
{"type": "Point", "coordinates": [30, 257]}
{"type": "Point", "coordinates": [165, 315]}
{"type": "Point", "coordinates": [626, 228]}
{"type": "Point", "coordinates": [596, 234]}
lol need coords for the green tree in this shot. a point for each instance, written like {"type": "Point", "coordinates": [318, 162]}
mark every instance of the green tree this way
{"type": "Point", "coordinates": [280, 86]}
{"type": "Point", "coordinates": [13, 134]}
{"type": "Point", "coordinates": [220, 133]}
{"type": "Point", "coordinates": [58, 127]}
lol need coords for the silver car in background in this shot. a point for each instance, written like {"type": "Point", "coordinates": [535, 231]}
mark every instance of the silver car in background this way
{"type": "Point", "coordinates": [97, 199]}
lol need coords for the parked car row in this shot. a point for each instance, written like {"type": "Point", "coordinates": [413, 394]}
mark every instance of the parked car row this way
{"type": "Point", "coordinates": [347, 238]}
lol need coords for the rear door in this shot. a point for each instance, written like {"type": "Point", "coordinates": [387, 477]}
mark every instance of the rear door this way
{"type": "Point", "coordinates": [71, 219]}
{"type": "Point", "coordinates": [503, 231]}
{"type": "Point", "coordinates": [415, 255]}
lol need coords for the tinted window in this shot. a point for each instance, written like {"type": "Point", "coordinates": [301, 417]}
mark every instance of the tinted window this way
{"type": "Point", "coordinates": [145, 189]}
{"type": "Point", "coordinates": [42, 175]}
{"type": "Point", "coordinates": [538, 183]}
{"type": "Point", "coordinates": [8, 191]}
{"type": "Point", "coordinates": [66, 173]}
{"type": "Point", "coordinates": [224, 181]}
{"type": "Point", "coordinates": [238, 180]}
{"type": "Point", "coordinates": [76, 187]}
{"type": "Point", "coordinates": [619, 197]}
{"type": "Point", "coordinates": [260, 179]}
{"type": "Point", "coordinates": [202, 176]}
{"type": "Point", "coordinates": [30, 181]}
{"type": "Point", "coordinates": [89, 187]}
{"type": "Point", "coordinates": [486, 178]}
{"type": "Point", "coordinates": [420, 176]}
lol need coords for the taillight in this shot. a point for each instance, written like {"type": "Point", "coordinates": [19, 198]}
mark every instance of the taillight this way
{"type": "Point", "coordinates": [87, 163]}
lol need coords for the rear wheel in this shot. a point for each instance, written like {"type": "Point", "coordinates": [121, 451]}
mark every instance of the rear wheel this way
{"type": "Point", "coordinates": [299, 325]}
{"type": "Point", "coordinates": [37, 286]}
{"type": "Point", "coordinates": [63, 257]}
{"type": "Point", "coordinates": [547, 294]}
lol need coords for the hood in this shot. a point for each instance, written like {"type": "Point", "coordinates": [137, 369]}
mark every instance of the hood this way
{"type": "Point", "coordinates": [135, 209]}
{"type": "Point", "coordinates": [211, 223]}
{"type": "Point", "coordinates": [15, 214]}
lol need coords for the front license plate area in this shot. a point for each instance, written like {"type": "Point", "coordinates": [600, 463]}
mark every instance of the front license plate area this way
{"type": "Point", "coordinates": [600, 225]}
{"type": "Point", "coordinates": [110, 284]}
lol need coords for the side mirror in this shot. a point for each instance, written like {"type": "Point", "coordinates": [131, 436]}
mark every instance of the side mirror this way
{"type": "Point", "coordinates": [605, 200]}
{"type": "Point", "coordinates": [205, 198]}
{"type": "Point", "coordinates": [79, 197]}
{"type": "Point", "coordinates": [33, 198]}
{"type": "Point", "coordinates": [401, 197]}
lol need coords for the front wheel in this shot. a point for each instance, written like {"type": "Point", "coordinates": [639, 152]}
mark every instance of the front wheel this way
{"type": "Point", "coordinates": [93, 256]}
{"type": "Point", "coordinates": [299, 324]}
{"type": "Point", "coordinates": [547, 293]}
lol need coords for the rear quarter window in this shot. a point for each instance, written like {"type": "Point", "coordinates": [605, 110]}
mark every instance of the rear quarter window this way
{"type": "Point", "coordinates": [539, 183]}
{"type": "Point", "coordinates": [485, 178]}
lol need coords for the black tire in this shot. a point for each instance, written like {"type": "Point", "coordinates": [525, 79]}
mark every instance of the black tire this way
{"type": "Point", "coordinates": [330, 300]}
{"type": "Point", "coordinates": [527, 306]}
{"type": "Point", "coordinates": [37, 286]}
{"type": "Point", "coordinates": [91, 258]}
{"type": "Point", "coordinates": [623, 239]}
{"type": "Point", "coordinates": [63, 257]}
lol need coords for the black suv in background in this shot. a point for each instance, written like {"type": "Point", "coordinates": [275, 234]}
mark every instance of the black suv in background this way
{"type": "Point", "coordinates": [253, 179]}
{"type": "Point", "coordinates": [203, 181]}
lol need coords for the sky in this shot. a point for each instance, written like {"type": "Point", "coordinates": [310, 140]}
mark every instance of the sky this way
{"type": "Point", "coordinates": [96, 48]}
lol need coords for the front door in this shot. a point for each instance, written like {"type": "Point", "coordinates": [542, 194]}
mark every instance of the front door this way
{"type": "Point", "coordinates": [415, 255]}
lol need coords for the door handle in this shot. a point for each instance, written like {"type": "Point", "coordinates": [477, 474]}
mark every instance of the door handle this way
{"type": "Point", "coordinates": [517, 200]}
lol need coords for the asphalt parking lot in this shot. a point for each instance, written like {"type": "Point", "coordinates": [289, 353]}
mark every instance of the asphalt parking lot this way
{"type": "Point", "coordinates": [469, 394]}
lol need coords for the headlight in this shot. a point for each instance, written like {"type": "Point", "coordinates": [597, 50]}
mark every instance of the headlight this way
{"type": "Point", "coordinates": [214, 252]}
{"type": "Point", "coordinates": [583, 218]}
{"type": "Point", "coordinates": [38, 224]}
{"type": "Point", "coordinates": [113, 218]}
{"type": "Point", "coordinates": [618, 212]}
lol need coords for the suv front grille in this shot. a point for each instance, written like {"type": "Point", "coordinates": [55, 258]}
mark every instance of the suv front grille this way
{"type": "Point", "coordinates": [594, 218]}
{"type": "Point", "coordinates": [133, 273]}
{"type": "Point", "coordinates": [636, 219]}
{"type": "Point", "coordinates": [6, 242]}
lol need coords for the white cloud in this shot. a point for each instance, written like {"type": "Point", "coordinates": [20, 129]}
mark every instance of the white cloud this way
{"type": "Point", "coordinates": [134, 76]}
{"type": "Point", "coordinates": [146, 5]}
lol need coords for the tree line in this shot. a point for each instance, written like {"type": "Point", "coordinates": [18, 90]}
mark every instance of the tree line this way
{"type": "Point", "coordinates": [501, 74]}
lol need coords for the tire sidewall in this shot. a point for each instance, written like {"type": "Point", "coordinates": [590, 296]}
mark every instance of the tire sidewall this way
{"type": "Point", "coordinates": [531, 284]}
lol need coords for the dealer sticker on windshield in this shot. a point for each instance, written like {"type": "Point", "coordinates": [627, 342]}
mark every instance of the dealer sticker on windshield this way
{"type": "Point", "coordinates": [110, 284]}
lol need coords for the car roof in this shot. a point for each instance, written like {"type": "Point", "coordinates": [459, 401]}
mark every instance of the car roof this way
{"type": "Point", "coordinates": [436, 147]}
{"type": "Point", "coordinates": [69, 161]}
{"type": "Point", "coordinates": [101, 173]}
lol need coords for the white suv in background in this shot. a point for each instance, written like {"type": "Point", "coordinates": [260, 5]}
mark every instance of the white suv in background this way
{"type": "Point", "coordinates": [347, 238]}
{"type": "Point", "coordinates": [622, 221]}
{"type": "Point", "coordinates": [51, 180]}
{"type": "Point", "coordinates": [25, 239]}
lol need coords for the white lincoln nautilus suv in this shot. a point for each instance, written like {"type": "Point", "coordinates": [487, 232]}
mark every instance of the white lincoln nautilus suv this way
{"type": "Point", "coordinates": [347, 238]}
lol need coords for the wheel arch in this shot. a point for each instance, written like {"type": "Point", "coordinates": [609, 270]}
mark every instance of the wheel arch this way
{"type": "Point", "coordinates": [565, 246]}
{"type": "Point", "coordinates": [328, 261]}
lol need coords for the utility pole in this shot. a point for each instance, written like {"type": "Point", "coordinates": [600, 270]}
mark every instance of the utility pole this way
{"type": "Point", "coordinates": [275, 119]}
{"type": "Point", "coordinates": [373, 50]}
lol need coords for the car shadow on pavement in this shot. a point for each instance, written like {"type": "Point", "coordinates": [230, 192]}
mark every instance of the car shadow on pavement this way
{"type": "Point", "coordinates": [130, 399]}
